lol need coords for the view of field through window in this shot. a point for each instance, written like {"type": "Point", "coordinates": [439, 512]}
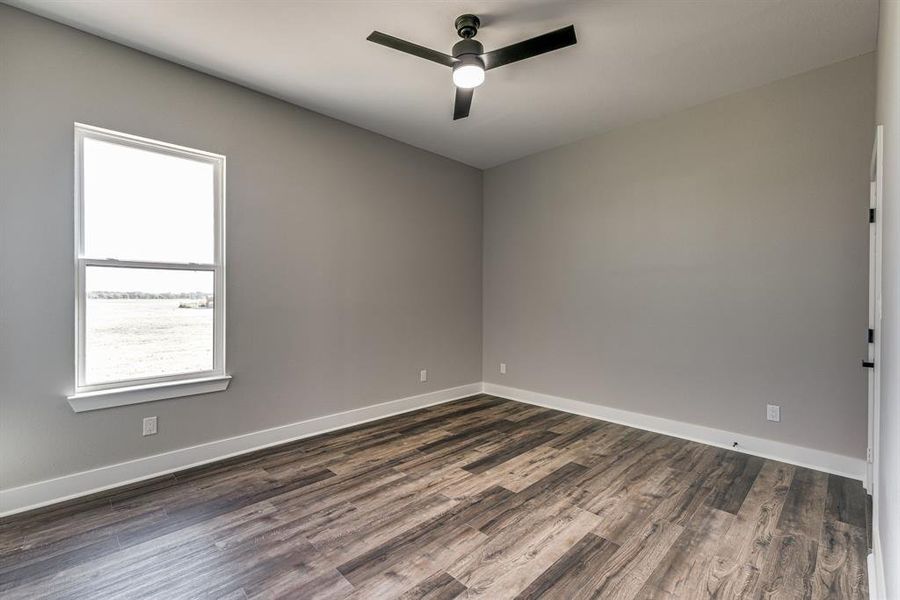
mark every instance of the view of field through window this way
{"type": "Point", "coordinates": [147, 323]}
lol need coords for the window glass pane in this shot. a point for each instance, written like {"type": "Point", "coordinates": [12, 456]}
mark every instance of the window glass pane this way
{"type": "Point", "coordinates": [142, 205]}
{"type": "Point", "coordinates": [147, 323]}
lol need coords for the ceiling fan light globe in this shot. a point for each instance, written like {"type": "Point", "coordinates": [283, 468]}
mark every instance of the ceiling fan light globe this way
{"type": "Point", "coordinates": [468, 76]}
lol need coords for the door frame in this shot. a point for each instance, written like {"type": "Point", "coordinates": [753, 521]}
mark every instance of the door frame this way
{"type": "Point", "coordinates": [876, 187]}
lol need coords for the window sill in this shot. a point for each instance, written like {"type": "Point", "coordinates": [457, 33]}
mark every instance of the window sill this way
{"type": "Point", "coordinates": [137, 394]}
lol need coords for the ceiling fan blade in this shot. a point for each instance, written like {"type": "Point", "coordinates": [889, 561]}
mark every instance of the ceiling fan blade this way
{"type": "Point", "coordinates": [536, 45]}
{"type": "Point", "coordinates": [463, 103]}
{"type": "Point", "coordinates": [410, 48]}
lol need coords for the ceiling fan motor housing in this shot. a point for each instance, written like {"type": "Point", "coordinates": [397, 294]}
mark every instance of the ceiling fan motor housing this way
{"type": "Point", "coordinates": [467, 46]}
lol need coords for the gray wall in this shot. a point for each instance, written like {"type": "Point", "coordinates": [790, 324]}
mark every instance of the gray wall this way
{"type": "Point", "coordinates": [697, 266]}
{"type": "Point", "coordinates": [353, 260]}
{"type": "Point", "coordinates": [887, 503]}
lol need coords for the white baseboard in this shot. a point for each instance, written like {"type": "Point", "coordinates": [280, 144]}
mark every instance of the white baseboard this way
{"type": "Point", "coordinates": [42, 493]}
{"type": "Point", "coordinates": [855, 468]}
{"type": "Point", "coordinates": [51, 491]}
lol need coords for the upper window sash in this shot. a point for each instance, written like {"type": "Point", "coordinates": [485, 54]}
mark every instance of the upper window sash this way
{"type": "Point", "coordinates": [216, 162]}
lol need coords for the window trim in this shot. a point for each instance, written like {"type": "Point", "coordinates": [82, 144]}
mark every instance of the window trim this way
{"type": "Point", "coordinates": [116, 393]}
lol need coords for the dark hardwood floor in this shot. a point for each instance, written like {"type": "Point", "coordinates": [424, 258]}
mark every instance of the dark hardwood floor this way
{"type": "Point", "coordinates": [482, 497]}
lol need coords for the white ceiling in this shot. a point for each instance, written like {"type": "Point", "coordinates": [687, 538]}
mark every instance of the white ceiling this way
{"type": "Point", "coordinates": [634, 59]}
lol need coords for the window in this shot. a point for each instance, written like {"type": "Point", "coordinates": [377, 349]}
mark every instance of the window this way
{"type": "Point", "coordinates": [150, 270]}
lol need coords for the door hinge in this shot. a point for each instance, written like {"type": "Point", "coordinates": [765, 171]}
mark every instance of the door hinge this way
{"type": "Point", "coordinates": [868, 455]}
{"type": "Point", "coordinates": [871, 336]}
{"type": "Point", "coordinates": [871, 215]}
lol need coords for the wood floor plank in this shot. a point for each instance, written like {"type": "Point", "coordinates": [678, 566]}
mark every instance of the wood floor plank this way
{"type": "Point", "coordinates": [329, 585]}
{"type": "Point", "coordinates": [463, 440]}
{"type": "Point", "coordinates": [789, 573]}
{"type": "Point", "coordinates": [571, 574]}
{"type": "Point", "coordinates": [520, 412]}
{"type": "Point", "coordinates": [732, 488]}
{"type": "Point", "coordinates": [516, 446]}
{"type": "Point", "coordinates": [351, 537]}
{"type": "Point", "coordinates": [415, 567]}
{"type": "Point", "coordinates": [693, 457]}
{"type": "Point", "coordinates": [601, 445]}
{"type": "Point", "coordinates": [664, 495]}
{"type": "Point", "coordinates": [685, 569]}
{"type": "Point", "coordinates": [519, 549]}
{"type": "Point", "coordinates": [804, 507]}
{"type": "Point", "coordinates": [388, 454]}
{"type": "Point", "coordinates": [192, 513]}
{"type": "Point", "coordinates": [575, 429]}
{"type": "Point", "coordinates": [846, 501]}
{"type": "Point", "coordinates": [384, 556]}
{"type": "Point", "coordinates": [440, 586]}
{"type": "Point", "coordinates": [517, 473]}
{"type": "Point", "coordinates": [178, 555]}
{"type": "Point", "coordinates": [626, 572]}
{"type": "Point", "coordinates": [619, 475]}
{"type": "Point", "coordinates": [744, 548]}
{"type": "Point", "coordinates": [476, 498]}
{"type": "Point", "coordinates": [335, 490]}
{"type": "Point", "coordinates": [510, 509]}
{"type": "Point", "coordinates": [841, 562]}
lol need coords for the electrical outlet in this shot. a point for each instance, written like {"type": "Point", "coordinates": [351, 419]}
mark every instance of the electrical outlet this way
{"type": "Point", "coordinates": [149, 426]}
{"type": "Point", "coordinates": [773, 412]}
{"type": "Point", "coordinates": [423, 375]}
{"type": "Point", "coordinates": [503, 368]}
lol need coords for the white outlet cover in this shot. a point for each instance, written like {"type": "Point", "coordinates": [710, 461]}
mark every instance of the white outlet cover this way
{"type": "Point", "coordinates": [503, 368]}
{"type": "Point", "coordinates": [149, 426]}
{"type": "Point", "coordinates": [423, 375]}
{"type": "Point", "coordinates": [773, 412]}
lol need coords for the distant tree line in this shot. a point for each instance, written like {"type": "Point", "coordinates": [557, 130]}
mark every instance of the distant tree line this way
{"type": "Point", "coordinates": [148, 295]}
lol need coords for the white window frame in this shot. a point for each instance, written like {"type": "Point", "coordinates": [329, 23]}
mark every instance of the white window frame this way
{"type": "Point", "coordinates": [133, 391]}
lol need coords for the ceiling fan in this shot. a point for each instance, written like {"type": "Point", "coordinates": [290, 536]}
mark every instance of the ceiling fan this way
{"type": "Point", "coordinates": [469, 60]}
